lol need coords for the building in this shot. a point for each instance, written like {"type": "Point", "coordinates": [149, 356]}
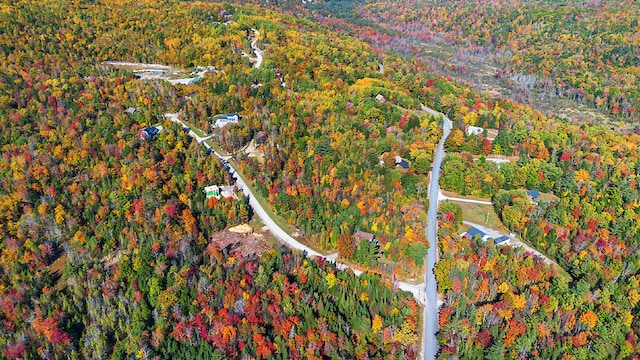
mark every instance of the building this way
{"type": "Point", "coordinates": [131, 110]}
{"type": "Point", "coordinates": [502, 240]}
{"type": "Point", "coordinates": [380, 99]}
{"type": "Point", "coordinates": [473, 232]}
{"type": "Point", "coordinates": [533, 194]}
{"type": "Point", "coordinates": [361, 235]}
{"type": "Point", "coordinates": [149, 132]}
{"type": "Point", "coordinates": [220, 191]}
{"type": "Point", "coordinates": [402, 162]}
{"type": "Point", "coordinates": [223, 120]}
{"type": "Point", "coordinates": [393, 129]}
{"type": "Point", "coordinates": [261, 138]}
{"type": "Point", "coordinates": [474, 130]}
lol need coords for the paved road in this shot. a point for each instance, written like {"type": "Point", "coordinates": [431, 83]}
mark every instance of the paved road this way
{"type": "Point", "coordinates": [430, 313]}
{"type": "Point", "coordinates": [416, 289]}
{"type": "Point", "coordinates": [259, 53]}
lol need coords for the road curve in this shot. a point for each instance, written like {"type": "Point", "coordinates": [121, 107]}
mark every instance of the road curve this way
{"type": "Point", "coordinates": [430, 313]}
{"type": "Point", "coordinates": [257, 208]}
{"type": "Point", "coordinates": [417, 290]}
{"type": "Point", "coordinates": [259, 53]}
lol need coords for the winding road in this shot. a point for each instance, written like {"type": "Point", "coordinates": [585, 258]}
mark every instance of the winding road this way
{"type": "Point", "coordinates": [416, 289]}
{"type": "Point", "coordinates": [425, 293]}
{"type": "Point", "coordinates": [256, 49]}
{"type": "Point", "coordinates": [430, 313]}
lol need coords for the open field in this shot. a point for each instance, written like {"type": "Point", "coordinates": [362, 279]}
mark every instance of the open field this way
{"type": "Point", "coordinates": [482, 214]}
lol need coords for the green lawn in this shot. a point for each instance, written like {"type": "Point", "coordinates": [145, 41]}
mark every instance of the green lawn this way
{"type": "Point", "coordinates": [216, 147]}
{"type": "Point", "coordinates": [196, 130]}
{"type": "Point", "coordinates": [456, 195]}
{"type": "Point", "coordinates": [483, 215]}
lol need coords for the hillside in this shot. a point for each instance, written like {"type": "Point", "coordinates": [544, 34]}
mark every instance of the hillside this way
{"type": "Point", "coordinates": [505, 302]}
{"type": "Point", "coordinates": [106, 228]}
{"type": "Point", "coordinates": [107, 231]}
{"type": "Point", "coordinates": [573, 59]}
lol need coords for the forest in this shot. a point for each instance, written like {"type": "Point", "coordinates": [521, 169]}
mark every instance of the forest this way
{"type": "Point", "coordinates": [105, 249]}
{"type": "Point", "coordinates": [565, 57]}
{"type": "Point", "coordinates": [503, 302]}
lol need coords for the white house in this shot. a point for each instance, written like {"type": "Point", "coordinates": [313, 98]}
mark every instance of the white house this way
{"type": "Point", "coordinates": [474, 130]}
{"type": "Point", "coordinates": [223, 120]}
{"type": "Point", "coordinates": [220, 191]}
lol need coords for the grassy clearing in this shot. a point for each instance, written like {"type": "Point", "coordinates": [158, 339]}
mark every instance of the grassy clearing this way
{"type": "Point", "coordinates": [216, 147]}
{"type": "Point", "coordinates": [197, 131]}
{"type": "Point", "coordinates": [454, 195]}
{"type": "Point", "coordinates": [548, 197]}
{"type": "Point", "coordinates": [482, 214]}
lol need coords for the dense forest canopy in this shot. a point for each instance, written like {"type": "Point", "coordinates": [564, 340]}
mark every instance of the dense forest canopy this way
{"type": "Point", "coordinates": [504, 302]}
{"type": "Point", "coordinates": [105, 246]}
{"type": "Point", "coordinates": [574, 58]}
{"type": "Point", "coordinates": [105, 237]}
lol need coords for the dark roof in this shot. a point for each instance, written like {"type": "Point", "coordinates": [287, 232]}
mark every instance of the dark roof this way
{"type": "Point", "coordinates": [473, 232]}
{"type": "Point", "coordinates": [500, 240]}
{"type": "Point", "coordinates": [403, 164]}
{"type": "Point", "coordinates": [151, 131]}
{"type": "Point", "coordinates": [534, 194]}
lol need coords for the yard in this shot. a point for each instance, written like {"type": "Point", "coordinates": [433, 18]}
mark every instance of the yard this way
{"type": "Point", "coordinates": [482, 214]}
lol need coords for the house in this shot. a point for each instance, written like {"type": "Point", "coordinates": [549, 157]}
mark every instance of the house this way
{"type": "Point", "coordinates": [223, 120]}
{"type": "Point", "coordinates": [393, 129]}
{"type": "Point", "coordinates": [261, 137]}
{"type": "Point", "coordinates": [361, 235]}
{"type": "Point", "coordinates": [533, 194]}
{"type": "Point", "coordinates": [131, 110]}
{"type": "Point", "coordinates": [220, 191]}
{"type": "Point", "coordinates": [474, 130]}
{"type": "Point", "coordinates": [149, 132]}
{"type": "Point", "coordinates": [473, 232]}
{"type": "Point", "coordinates": [402, 162]}
{"type": "Point", "coordinates": [501, 240]}
{"type": "Point", "coordinates": [380, 99]}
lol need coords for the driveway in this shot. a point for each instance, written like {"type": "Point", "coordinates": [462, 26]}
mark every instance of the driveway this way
{"type": "Point", "coordinates": [416, 289]}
